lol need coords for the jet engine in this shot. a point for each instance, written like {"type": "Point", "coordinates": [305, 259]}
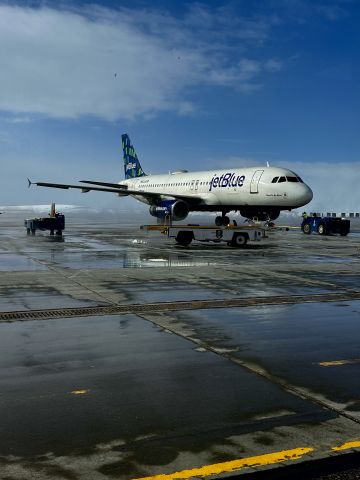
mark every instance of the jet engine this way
{"type": "Point", "coordinates": [178, 209]}
{"type": "Point", "coordinates": [260, 213]}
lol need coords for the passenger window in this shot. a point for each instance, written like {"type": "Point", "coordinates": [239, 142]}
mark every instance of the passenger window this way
{"type": "Point", "coordinates": [275, 179]}
{"type": "Point", "coordinates": [282, 179]}
{"type": "Point", "coordinates": [292, 179]}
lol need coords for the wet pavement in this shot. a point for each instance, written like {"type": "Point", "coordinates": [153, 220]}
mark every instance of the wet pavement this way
{"type": "Point", "coordinates": [137, 395]}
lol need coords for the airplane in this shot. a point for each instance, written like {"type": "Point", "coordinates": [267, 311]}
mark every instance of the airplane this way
{"type": "Point", "coordinates": [256, 192]}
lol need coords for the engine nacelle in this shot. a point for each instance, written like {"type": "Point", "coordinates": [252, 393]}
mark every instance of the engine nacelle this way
{"type": "Point", "coordinates": [177, 209]}
{"type": "Point", "coordinates": [260, 214]}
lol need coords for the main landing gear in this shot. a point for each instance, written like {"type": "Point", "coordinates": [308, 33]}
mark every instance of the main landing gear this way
{"type": "Point", "coordinates": [222, 221]}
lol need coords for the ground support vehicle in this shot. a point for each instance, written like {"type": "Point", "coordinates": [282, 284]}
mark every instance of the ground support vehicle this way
{"type": "Point", "coordinates": [234, 236]}
{"type": "Point", "coordinates": [55, 224]}
{"type": "Point", "coordinates": [325, 225]}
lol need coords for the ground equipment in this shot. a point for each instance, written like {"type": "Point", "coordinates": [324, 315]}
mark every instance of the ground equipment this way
{"type": "Point", "coordinates": [325, 225]}
{"type": "Point", "coordinates": [55, 222]}
{"type": "Point", "coordinates": [234, 236]}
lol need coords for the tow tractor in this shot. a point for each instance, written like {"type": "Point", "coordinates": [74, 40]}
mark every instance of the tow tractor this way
{"type": "Point", "coordinates": [234, 236]}
{"type": "Point", "coordinates": [55, 222]}
{"type": "Point", "coordinates": [325, 225]}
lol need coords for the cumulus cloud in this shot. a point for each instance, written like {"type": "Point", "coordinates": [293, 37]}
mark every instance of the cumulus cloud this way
{"type": "Point", "coordinates": [123, 63]}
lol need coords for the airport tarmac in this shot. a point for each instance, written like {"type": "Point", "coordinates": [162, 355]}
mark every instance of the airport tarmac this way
{"type": "Point", "coordinates": [124, 356]}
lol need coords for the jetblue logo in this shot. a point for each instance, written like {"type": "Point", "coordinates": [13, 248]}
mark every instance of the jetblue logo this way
{"type": "Point", "coordinates": [130, 166]}
{"type": "Point", "coordinates": [227, 180]}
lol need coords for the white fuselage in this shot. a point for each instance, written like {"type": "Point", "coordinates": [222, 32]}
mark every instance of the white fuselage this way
{"type": "Point", "coordinates": [231, 188]}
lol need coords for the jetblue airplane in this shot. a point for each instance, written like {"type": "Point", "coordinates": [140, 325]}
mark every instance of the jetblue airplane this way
{"type": "Point", "coordinates": [260, 192]}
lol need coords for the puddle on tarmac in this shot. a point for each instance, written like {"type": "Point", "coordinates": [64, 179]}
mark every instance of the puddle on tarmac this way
{"type": "Point", "coordinates": [11, 262]}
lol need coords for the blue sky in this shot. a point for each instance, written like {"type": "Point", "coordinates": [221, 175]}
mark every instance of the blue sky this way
{"type": "Point", "coordinates": [196, 85]}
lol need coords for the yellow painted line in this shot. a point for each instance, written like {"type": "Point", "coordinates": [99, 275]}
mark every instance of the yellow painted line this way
{"type": "Point", "coordinates": [80, 392]}
{"type": "Point", "coordinates": [336, 363]}
{"type": "Point", "coordinates": [347, 446]}
{"type": "Point", "coordinates": [234, 465]}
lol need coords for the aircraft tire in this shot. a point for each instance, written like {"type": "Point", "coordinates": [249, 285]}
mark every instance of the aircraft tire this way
{"type": "Point", "coordinates": [225, 221]}
{"type": "Point", "coordinates": [218, 221]}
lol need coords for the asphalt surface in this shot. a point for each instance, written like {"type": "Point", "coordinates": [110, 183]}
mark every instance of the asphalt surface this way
{"type": "Point", "coordinates": [206, 392]}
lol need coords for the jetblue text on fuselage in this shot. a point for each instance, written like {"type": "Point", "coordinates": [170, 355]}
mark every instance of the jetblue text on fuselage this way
{"type": "Point", "coordinates": [227, 180]}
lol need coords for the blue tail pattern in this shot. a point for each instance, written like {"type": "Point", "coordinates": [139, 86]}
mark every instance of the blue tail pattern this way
{"type": "Point", "coordinates": [131, 162]}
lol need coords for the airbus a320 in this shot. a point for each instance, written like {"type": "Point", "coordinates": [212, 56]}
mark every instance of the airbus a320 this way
{"type": "Point", "coordinates": [257, 192]}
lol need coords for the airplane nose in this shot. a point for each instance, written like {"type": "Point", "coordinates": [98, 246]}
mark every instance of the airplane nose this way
{"type": "Point", "coordinates": [307, 194]}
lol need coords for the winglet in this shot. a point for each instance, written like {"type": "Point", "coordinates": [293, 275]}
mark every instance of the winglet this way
{"type": "Point", "coordinates": [29, 182]}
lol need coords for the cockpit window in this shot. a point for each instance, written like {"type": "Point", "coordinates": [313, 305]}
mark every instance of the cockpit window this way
{"type": "Point", "coordinates": [294, 178]}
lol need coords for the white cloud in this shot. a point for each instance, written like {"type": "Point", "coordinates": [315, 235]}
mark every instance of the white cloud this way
{"type": "Point", "coordinates": [18, 119]}
{"type": "Point", "coordinates": [123, 63]}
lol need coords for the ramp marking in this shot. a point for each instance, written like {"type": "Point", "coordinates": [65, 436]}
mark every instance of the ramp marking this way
{"type": "Point", "coordinates": [234, 465]}
{"type": "Point", "coordinates": [347, 446]}
{"type": "Point", "coordinates": [80, 392]}
{"type": "Point", "coordinates": [335, 363]}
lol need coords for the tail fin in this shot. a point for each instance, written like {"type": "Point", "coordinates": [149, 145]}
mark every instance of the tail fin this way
{"type": "Point", "coordinates": [131, 163]}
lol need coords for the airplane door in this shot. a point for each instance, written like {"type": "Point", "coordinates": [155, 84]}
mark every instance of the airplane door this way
{"type": "Point", "coordinates": [254, 184]}
{"type": "Point", "coordinates": [192, 185]}
{"type": "Point", "coordinates": [196, 184]}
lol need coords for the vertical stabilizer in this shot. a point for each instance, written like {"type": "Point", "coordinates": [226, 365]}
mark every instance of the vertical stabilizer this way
{"type": "Point", "coordinates": [131, 163]}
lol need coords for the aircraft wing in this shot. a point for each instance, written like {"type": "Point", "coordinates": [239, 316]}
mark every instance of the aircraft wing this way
{"type": "Point", "coordinates": [119, 189]}
{"type": "Point", "coordinates": [124, 188]}
{"type": "Point", "coordinates": [83, 188]}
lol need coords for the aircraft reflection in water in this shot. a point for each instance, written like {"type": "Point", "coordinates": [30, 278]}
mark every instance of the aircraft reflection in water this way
{"type": "Point", "coordinates": [136, 260]}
